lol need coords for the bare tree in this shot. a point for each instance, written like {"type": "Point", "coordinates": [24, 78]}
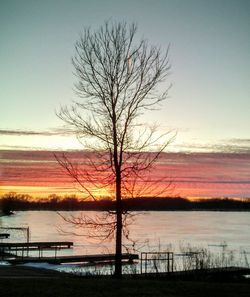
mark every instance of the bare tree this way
{"type": "Point", "coordinates": [117, 80]}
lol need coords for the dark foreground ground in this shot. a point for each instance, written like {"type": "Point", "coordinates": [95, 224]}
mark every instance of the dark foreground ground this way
{"type": "Point", "coordinates": [28, 282]}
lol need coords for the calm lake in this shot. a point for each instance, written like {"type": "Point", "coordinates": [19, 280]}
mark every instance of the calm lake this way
{"type": "Point", "coordinates": [152, 231]}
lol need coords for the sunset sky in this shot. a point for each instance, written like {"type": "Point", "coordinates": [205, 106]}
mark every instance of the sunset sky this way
{"type": "Point", "coordinates": [208, 105]}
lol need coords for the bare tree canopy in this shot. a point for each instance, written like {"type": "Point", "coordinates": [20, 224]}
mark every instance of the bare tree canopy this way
{"type": "Point", "coordinates": [118, 78]}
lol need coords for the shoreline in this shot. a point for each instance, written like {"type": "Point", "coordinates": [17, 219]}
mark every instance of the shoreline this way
{"type": "Point", "coordinates": [12, 203]}
{"type": "Point", "coordinates": [29, 282]}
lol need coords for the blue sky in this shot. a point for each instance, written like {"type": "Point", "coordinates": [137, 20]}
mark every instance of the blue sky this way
{"type": "Point", "coordinates": [209, 102]}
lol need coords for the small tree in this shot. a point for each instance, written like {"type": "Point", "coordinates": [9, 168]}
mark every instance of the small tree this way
{"type": "Point", "coordinates": [116, 82]}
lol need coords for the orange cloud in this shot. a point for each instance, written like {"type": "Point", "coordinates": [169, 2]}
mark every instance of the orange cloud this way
{"type": "Point", "coordinates": [193, 175]}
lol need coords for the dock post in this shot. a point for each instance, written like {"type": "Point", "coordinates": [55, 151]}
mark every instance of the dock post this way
{"type": "Point", "coordinates": [168, 263]}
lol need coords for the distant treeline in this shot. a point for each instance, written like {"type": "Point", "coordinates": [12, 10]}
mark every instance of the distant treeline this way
{"type": "Point", "coordinates": [15, 202]}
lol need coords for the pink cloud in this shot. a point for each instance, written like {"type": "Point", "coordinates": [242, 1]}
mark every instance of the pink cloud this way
{"type": "Point", "coordinates": [194, 174]}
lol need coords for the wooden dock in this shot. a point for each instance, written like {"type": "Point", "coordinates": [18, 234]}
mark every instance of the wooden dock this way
{"type": "Point", "coordinates": [14, 246]}
{"type": "Point", "coordinates": [18, 252]}
{"type": "Point", "coordinates": [103, 258]}
{"type": "Point", "coordinates": [4, 235]}
{"type": "Point", "coordinates": [11, 249]}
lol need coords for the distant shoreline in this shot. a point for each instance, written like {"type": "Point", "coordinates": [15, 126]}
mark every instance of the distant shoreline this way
{"type": "Point", "coordinates": [14, 202]}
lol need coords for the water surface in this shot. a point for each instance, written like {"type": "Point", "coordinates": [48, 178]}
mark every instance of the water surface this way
{"type": "Point", "coordinates": [150, 230]}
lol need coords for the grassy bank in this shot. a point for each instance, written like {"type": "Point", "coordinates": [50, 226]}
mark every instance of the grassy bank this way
{"type": "Point", "coordinates": [74, 287]}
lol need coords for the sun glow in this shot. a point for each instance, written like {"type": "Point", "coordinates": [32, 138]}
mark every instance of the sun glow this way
{"type": "Point", "coordinates": [193, 175]}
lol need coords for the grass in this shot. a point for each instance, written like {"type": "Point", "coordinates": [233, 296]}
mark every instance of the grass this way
{"type": "Point", "coordinates": [102, 287]}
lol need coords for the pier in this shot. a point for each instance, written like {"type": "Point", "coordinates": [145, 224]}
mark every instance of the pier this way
{"type": "Point", "coordinates": [11, 249]}
{"type": "Point", "coordinates": [104, 258]}
{"type": "Point", "coordinates": [4, 235]}
{"type": "Point", "coordinates": [9, 252]}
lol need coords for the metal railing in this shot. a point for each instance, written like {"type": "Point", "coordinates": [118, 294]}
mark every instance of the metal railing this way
{"type": "Point", "coordinates": [157, 262]}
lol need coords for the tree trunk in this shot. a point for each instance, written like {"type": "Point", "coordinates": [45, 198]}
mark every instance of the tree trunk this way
{"type": "Point", "coordinates": [118, 251]}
